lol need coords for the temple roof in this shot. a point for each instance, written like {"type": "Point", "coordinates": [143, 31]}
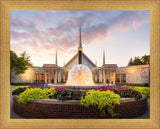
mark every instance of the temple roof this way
{"type": "Point", "coordinates": [50, 66]}
{"type": "Point", "coordinates": [82, 62]}
{"type": "Point", "coordinates": [110, 66]}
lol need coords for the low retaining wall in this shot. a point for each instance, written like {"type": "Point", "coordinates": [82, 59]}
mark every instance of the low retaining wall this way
{"type": "Point", "coordinates": [51, 108]}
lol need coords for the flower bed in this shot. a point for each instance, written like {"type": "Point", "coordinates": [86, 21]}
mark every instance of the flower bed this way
{"type": "Point", "coordinates": [71, 109]}
{"type": "Point", "coordinates": [105, 101]}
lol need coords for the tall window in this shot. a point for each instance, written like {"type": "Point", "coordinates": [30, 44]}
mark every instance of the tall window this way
{"type": "Point", "coordinates": [41, 77]}
{"type": "Point", "coordinates": [117, 77]}
{"type": "Point", "coordinates": [123, 77]}
{"type": "Point", "coordinates": [36, 78]}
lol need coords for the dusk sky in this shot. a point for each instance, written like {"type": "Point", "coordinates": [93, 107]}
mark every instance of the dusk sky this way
{"type": "Point", "coordinates": [122, 34]}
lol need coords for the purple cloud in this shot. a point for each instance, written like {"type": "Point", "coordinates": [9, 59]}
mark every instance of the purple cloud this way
{"type": "Point", "coordinates": [64, 36]}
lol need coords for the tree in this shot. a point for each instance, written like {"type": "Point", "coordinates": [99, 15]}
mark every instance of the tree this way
{"type": "Point", "coordinates": [26, 58]}
{"type": "Point", "coordinates": [146, 59]}
{"type": "Point", "coordinates": [18, 64]}
{"type": "Point", "coordinates": [130, 62]}
{"type": "Point", "coordinates": [139, 61]}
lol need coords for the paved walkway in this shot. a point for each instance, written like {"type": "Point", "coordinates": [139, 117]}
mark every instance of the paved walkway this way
{"type": "Point", "coordinates": [13, 115]}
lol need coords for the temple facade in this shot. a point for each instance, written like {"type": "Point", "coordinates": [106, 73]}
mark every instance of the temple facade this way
{"type": "Point", "coordinates": [107, 73]}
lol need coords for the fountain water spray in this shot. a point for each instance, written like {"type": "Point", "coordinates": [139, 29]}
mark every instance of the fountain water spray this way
{"type": "Point", "coordinates": [80, 75]}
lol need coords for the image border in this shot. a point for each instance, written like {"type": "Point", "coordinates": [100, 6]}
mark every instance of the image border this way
{"type": "Point", "coordinates": [7, 5]}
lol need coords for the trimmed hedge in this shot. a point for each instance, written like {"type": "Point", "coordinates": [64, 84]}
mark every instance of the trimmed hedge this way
{"type": "Point", "coordinates": [21, 83]}
{"type": "Point", "coordinates": [134, 84]}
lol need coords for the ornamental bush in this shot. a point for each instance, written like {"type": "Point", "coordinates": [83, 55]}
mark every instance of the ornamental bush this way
{"type": "Point", "coordinates": [101, 99]}
{"type": "Point", "coordinates": [67, 94]}
{"type": "Point", "coordinates": [144, 91]}
{"type": "Point", "coordinates": [129, 93]}
{"type": "Point", "coordinates": [18, 90]}
{"type": "Point", "coordinates": [34, 94]}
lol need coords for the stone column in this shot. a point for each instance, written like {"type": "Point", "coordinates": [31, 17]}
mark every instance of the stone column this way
{"type": "Point", "coordinates": [120, 78]}
{"type": "Point", "coordinates": [100, 76]}
{"type": "Point", "coordinates": [110, 78]}
{"type": "Point", "coordinates": [45, 76]}
{"type": "Point", "coordinates": [55, 77]}
{"type": "Point", "coordinates": [104, 78]}
{"type": "Point", "coordinates": [49, 76]}
{"type": "Point", "coordinates": [59, 76]}
{"type": "Point", "coordinates": [95, 76]}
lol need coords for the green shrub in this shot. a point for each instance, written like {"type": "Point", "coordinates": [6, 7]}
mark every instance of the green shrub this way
{"type": "Point", "coordinates": [34, 94]}
{"type": "Point", "coordinates": [134, 84]}
{"type": "Point", "coordinates": [21, 83]}
{"type": "Point", "coordinates": [144, 91]}
{"type": "Point", "coordinates": [101, 99]}
{"type": "Point", "coordinates": [68, 95]}
{"type": "Point", "coordinates": [63, 95]}
{"type": "Point", "coordinates": [77, 94]}
{"type": "Point", "coordinates": [18, 90]}
{"type": "Point", "coordinates": [129, 93]}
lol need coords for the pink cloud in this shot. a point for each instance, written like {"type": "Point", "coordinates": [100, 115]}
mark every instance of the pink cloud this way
{"type": "Point", "coordinates": [122, 27]}
{"type": "Point", "coordinates": [138, 23]}
{"type": "Point", "coordinates": [77, 20]}
{"type": "Point", "coordinates": [55, 32]}
{"type": "Point", "coordinates": [39, 20]}
{"type": "Point", "coordinates": [27, 22]}
{"type": "Point", "coordinates": [46, 12]}
{"type": "Point", "coordinates": [71, 20]}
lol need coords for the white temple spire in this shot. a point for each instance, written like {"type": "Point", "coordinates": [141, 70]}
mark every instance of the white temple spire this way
{"type": "Point", "coordinates": [56, 58]}
{"type": "Point", "coordinates": [80, 40]}
{"type": "Point", "coordinates": [103, 57]}
{"type": "Point", "coordinates": [80, 49]}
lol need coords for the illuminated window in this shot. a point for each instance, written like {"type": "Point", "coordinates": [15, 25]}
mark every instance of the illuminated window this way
{"type": "Point", "coordinates": [123, 77]}
{"type": "Point", "coordinates": [117, 77]}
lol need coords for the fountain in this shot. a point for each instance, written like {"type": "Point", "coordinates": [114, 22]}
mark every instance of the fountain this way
{"type": "Point", "coordinates": [80, 75]}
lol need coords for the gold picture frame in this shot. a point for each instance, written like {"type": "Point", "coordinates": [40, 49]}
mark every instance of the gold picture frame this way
{"type": "Point", "coordinates": [7, 5]}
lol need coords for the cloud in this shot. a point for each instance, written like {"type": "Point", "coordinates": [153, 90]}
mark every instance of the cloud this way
{"type": "Point", "coordinates": [47, 12]}
{"type": "Point", "coordinates": [22, 25]}
{"type": "Point", "coordinates": [128, 19]}
{"type": "Point", "coordinates": [40, 20]}
{"type": "Point", "coordinates": [26, 34]}
{"type": "Point", "coordinates": [139, 23]}
{"type": "Point", "coordinates": [78, 19]}
{"type": "Point", "coordinates": [124, 28]}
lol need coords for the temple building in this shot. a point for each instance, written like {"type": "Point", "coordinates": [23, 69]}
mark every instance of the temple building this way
{"type": "Point", "coordinates": [107, 73]}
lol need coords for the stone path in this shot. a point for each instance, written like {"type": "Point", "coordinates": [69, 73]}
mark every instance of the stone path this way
{"type": "Point", "coordinates": [15, 116]}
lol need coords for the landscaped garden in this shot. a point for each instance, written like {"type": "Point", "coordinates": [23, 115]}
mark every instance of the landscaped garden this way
{"type": "Point", "coordinates": [106, 102]}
